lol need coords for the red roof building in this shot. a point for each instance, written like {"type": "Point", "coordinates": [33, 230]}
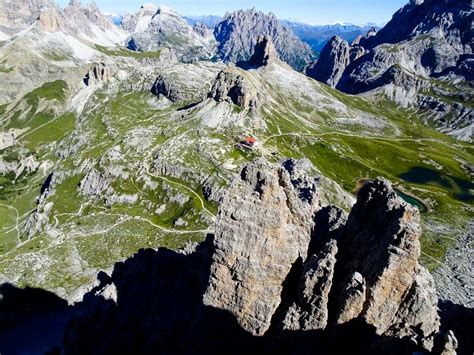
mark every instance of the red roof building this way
{"type": "Point", "coordinates": [250, 141]}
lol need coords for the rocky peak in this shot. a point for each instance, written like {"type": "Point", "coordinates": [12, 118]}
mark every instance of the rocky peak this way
{"type": "Point", "coordinates": [81, 16]}
{"type": "Point", "coordinates": [380, 244]}
{"type": "Point", "coordinates": [333, 60]}
{"type": "Point", "coordinates": [424, 40]}
{"type": "Point", "coordinates": [264, 209]}
{"type": "Point", "coordinates": [264, 53]}
{"type": "Point", "coordinates": [372, 32]}
{"type": "Point", "coordinates": [230, 86]}
{"type": "Point", "coordinates": [418, 17]}
{"type": "Point", "coordinates": [149, 8]}
{"type": "Point", "coordinates": [238, 32]}
{"type": "Point", "coordinates": [348, 267]}
{"type": "Point", "coordinates": [16, 15]}
{"type": "Point", "coordinates": [278, 266]}
{"type": "Point", "coordinates": [165, 10]}
{"type": "Point", "coordinates": [164, 28]}
{"type": "Point", "coordinates": [50, 19]}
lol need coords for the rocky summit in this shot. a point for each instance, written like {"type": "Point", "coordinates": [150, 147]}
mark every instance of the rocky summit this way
{"type": "Point", "coordinates": [422, 58]}
{"type": "Point", "coordinates": [238, 32]}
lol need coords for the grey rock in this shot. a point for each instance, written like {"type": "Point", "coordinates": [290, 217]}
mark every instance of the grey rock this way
{"type": "Point", "coordinates": [98, 72]}
{"type": "Point", "coordinates": [265, 225]}
{"type": "Point", "coordinates": [427, 46]}
{"type": "Point", "coordinates": [262, 228]}
{"type": "Point", "coordinates": [450, 344]}
{"type": "Point", "coordinates": [16, 15]}
{"type": "Point", "coordinates": [94, 183]}
{"type": "Point", "coordinates": [166, 29]}
{"type": "Point", "coordinates": [455, 276]}
{"type": "Point", "coordinates": [238, 32]}
{"type": "Point", "coordinates": [264, 52]}
{"type": "Point", "coordinates": [165, 87]}
{"type": "Point", "coordinates": [231, 86]}
{"type": "Point", "coordinates": [381, 243]}
{"type": "Point", "coordinates": [353, 298]}
{"type": "Point", "coordinates": [334, 59]}
{"type": "Point", "coordinates": [310, 311]}
{"type": "Point", "coordinates": [139, 21]}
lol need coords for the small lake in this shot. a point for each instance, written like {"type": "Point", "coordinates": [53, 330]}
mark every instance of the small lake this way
{"type": "Point", "coordinates": [459, 188]}
{"type": "Point", "coordinates": [412, 201]}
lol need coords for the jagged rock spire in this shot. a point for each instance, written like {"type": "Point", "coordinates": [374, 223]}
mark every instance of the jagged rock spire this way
{"type": "Point", "coordinates": [264, 53]}
{"type": "Point", "coordinates": [334, 58]}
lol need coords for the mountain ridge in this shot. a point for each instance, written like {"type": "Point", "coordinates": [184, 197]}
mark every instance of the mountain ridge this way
{"type": "Point", "coordinates": [427, 65]}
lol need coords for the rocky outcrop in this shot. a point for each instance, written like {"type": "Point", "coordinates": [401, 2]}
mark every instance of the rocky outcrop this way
{"type": "Point", "coordinates": [369, 267]}
{"type": "Point", "coordinates": [164, 28]}
{"type": "Point", "coordinates": [310, 310]}
{"type": "Point", "coordinates": [98, 72]}
{"type": "Point", "coordinates": [50, 19]}
{"type": "Point", "coordinates": [24, 164]}
{"type": "Point", "coordinates": [281, 272]}
{"type": "Point", "coordinates": [427, 43]}
{"type": "Point", "coordinates": [139, 21]}
{"type": "Point", "coordinates": [238, 33]}
{"type": "Point", "coordinates": [231, 86]}
{"type": "Point", "coordinates": [264, 52]}
{"type": "Point", "coordinates": [334, 59]}
{"type": "Point", "coordinates": [379, 253]}
{"type": "Point", "coordinates": [16, 15]}
{"type": "Point", "coordinates": [164, 87]}
{"type": "Point", "coordinates": [264, 209]}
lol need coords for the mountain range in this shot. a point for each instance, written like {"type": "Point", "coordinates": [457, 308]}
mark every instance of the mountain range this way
{"type": "Point", "coordinates": [170, 186]}
{"type": "Point", "coordinates": [422, 58]}
{"type": "Point", "coordinates": [318, 35]}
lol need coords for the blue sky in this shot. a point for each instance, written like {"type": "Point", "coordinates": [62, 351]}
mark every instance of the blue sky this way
{"type": "Point", "coordinates": [309, 11]}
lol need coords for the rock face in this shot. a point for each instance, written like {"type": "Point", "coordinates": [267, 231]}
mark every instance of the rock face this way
{"type": "Point", "coordinates": [266, 211]}
{"type": "Point", "coordinates": [237, 35]}
{"type": "Point", "coordinates": [98, 72]}
{"type": "Point", "coordinates": [428, 43]}
{"type": "Point", "coordinates": [264, 54]}
{"type": "Point", "coordinates": [16, 15]}
{"type": "Point", "coordinates": [335, 57]}
{"type": "Point", "coordinates": [230, 86]}
{"type": "Point", "coordinates": [150, 31]}
{"type": "Point", "coordinates": [379, 253]}
{"type": "Point", "coordinates": [139, 21]}
{"type": "Point", "coordinates": [164, 87]}
{"type": "Point", "coordinates": [280, 273]}
{"type": "Point", "coordinates": [50, 19]}
{"type": "Point", "coordinates": [370, 265]}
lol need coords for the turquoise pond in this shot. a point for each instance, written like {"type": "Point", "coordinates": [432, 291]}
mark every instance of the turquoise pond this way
{"type": "Point", "coordinates": [413, 201]}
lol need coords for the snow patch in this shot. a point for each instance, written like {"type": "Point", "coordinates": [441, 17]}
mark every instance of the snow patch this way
{"type": "Point", "coordinates": [4, 36]}
{"type": "Point", "coordinates": [465, 134]}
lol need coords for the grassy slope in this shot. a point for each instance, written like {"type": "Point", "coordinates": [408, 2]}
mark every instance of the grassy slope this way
{"type": "Point", "coordinates": [94, 235]}
{"type": "Point", "coordinates": [346, 157]}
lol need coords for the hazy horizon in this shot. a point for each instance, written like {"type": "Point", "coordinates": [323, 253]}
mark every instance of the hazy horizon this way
{"type": "Point", "coordinates": [314, 12]}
